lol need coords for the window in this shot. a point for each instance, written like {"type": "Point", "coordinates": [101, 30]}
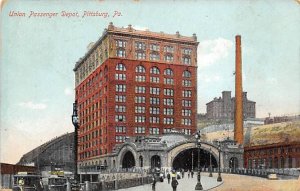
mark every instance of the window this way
{"type": "Point", "coordinates": [169, 58]}
{"type": "Point", "coordinates": [187, 131]}
{"type": "Point", "coordinates": [140, 119]}
{"type": "Point", "coordinates": [140, 78]}
{"type": "Point", "coordinates": [186, 112]}
{"type": "Point", "coordinates": [186, 83]}
{"type": "Point", "coordinates": [154, 100]}
{"type": "Point", "coordinates": [154, 47]}
{"type": "Point", "coordinates": [140, 46]}
{"type": "Point", "coordinates": [154, 70]}
{"type": "Point", "coordinates": [186, 103]}
{"type": "Point", "coordinates": [120, 67]}
{"type": "Point", "coordinates": [187, 51]}
{"type": "Point", "coordinates": [154, 56]}
{"type": "Point", "coordinates": [154, 119]}
{"type": "Point", "coordinates": [154, 131]}
{"type": "Point", "coordinates": [187, 93]}
{"type": "Point", "coordinates": [140, 89]}
{"type": "Point", "coordinates": [140, 69]}
{"type": "Point", "coordinates": [140, 55]}
{"type": "Point", "coordinates": [168, 101]}
{"type": "Point", "coordinates": [139, 130]}
{"type": "Point", "coordinates": [120, 98]}
{"type": "Point", "coordinates": [120, 118]}
{"type": "Point", "coordinates": [120, 129]}
{"type": "Point", "coordinates": [186, 74]}
{"type": "Point", "coordinates": [140, 99]}
{"type": "Point", "coordinates": [168, 72]}
{"type": "Point", "coordinates": [168, 111]}
{"type": "Point", "coordinates": [186, 122]}
{"type": "Point", "coordinates": [167, 130]}
{"type": "Point", "coordinates": [120, 76]}
{"type": "Point", "coordinates": [154, 91]}
{"type": "Point", "coordinates": [120, 88]}
{"type": "Point", "coordinates": [154, 110]}
{"type": "Point", "coordinates": [154, 79]}
{"type": "Point", "coordinates": [120, 53]}
{"type": "Point", "coordinates": [168, 121]}
{"type": "Point", "coordinates": [168, 92]}
{"type": "Point", "coordinates": [169, 49]}
{"type": "Point", "coordinates": [169, 81]}
{"type": "Point", "coordinates": [120, 108]}
{"type": "Point", "coordinates": [120, 139]}
{"type": "Point", "coordinates": [139, 109]}
{"type": "Point", "coordinates": [186, 60]}
{"type": "Point", "coordinates": [120, 43]}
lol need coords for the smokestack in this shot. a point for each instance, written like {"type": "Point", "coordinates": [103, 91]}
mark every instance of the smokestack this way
{"type": "Point", "coordinates": [238, 118]}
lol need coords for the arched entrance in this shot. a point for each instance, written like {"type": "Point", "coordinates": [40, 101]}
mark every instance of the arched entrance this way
{"type": "Point", "coordinates": [128, 160]}
{"type": "Point", "coordinates": [188, 159]}
{"type": "Point", "coordinates": [155, 161]}
{"type": "Point", "coordinates": [233, 163]}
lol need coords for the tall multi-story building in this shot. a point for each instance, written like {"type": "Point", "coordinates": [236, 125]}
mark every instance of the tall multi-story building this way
{"type": "Point", "coordinates": [222, 108]}
{"type": "Point", "coordinates": [134, 83]}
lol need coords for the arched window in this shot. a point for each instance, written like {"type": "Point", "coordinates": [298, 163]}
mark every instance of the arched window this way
{"type": "Point", "coordinates": [140, 69]}
{"type": "Point", "coordinates": [154, 70]}
{"type": "Point", "coordinates": [120, 67]}
{"type": "Point", "coordinates": [186, 74]}
{"type": "Point", "coordinates": [168, 72]}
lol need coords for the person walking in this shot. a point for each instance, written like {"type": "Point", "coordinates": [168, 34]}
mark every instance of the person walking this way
{"type": "Point", "coordinates": [192, 173]}
{"type": "Point", "coordinates": [174, 184]}
{"type": "Point", "coordinates": [188, 173]}
{"type": "Point", "coordinates": [153, 183]}
{"type": "Point", "coordinates": [168, 177]}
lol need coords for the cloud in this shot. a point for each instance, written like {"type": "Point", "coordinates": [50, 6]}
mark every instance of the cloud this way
{"type": "Point", "coordinates": [68, 91]}
{"type": "Point", "coordinates": [211, 51]}
{"type": "Point", "coordinates": [136, 27]}
{"type": "Point", "coordinates": [31, 105]}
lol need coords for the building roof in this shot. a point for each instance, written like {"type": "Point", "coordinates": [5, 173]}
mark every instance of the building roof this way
{"type": "Point", "coordinates": [129, 31]}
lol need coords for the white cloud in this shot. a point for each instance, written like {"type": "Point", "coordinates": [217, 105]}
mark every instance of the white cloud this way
{"type": "Point", "coordinates": [210, 51]}
{"type": "Point", "coordinates": [31, 105]}
{"type": "Point", "coordinates": [68, 91]}
{"type": "Point", "coordinates": [136, 27]}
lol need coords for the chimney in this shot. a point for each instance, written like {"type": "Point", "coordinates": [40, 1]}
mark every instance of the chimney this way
{"type": "Point", "coordinates": [238, 118]}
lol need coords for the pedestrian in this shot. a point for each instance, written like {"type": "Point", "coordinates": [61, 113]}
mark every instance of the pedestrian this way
{"type": "Point", "coordinates": [182, 173]}
{"type": "Point", "coordinates": [174, 184]}
{"type": "Point", "coordinates": [169, 177]}
{"type": "Point", "coordinates": [192, 173]}
{"type": "Point", "coordinates": [153, 183]}
{"type": "Point", "coordinates": [188, 173]}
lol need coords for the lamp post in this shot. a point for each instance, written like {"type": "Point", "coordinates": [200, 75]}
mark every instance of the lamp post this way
{"type": "Point", "coordinates": [198, 144]}
{"type": "Point", "coordinates": [210, 169]}
{"type": "Point", "coordinates": [219, 179]}
{"type": "Point", "coordinates": [75, 121]}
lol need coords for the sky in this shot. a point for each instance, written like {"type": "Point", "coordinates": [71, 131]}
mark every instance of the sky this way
{"type": "Point", "coordinates": [38, 55]}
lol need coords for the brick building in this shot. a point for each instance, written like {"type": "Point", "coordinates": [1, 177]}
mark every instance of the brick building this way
{"type": "Point", "coordinates": [222, 108]}
{"type": "Point", "coordinates": [275, 155]}
{"type": "Point", "coordinates": [134, 83]}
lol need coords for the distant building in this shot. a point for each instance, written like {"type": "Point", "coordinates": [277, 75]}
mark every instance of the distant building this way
{"type": "Point", "coordinates": [222, 108]}
{"type": "Point", "coordinates": [280, 119]}
{"type": "Point", "coordinates": [56, 153]}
